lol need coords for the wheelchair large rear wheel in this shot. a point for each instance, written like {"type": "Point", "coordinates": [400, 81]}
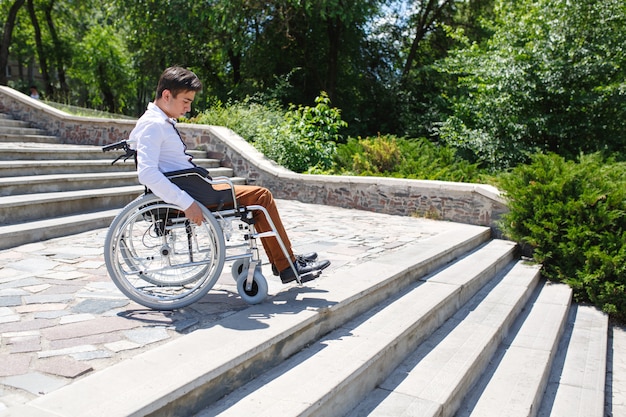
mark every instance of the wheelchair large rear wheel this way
{"type": "Point", "coordinates": [158, 258]}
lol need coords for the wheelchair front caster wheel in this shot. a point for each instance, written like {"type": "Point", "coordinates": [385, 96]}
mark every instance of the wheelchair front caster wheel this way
{"type": "Point", "coordinates": [258, 292]}
{"type": "Point", "coordinates": [239, 266]}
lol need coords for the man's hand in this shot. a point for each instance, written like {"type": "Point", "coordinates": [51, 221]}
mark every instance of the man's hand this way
{"type": "Point", "coordinates": [194, 213]}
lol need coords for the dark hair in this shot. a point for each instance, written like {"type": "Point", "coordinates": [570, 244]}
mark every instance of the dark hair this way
{"type": "Point", "coordinates": [177, 80]}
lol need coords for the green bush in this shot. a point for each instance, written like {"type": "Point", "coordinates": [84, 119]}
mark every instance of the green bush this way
{"type": "Point", "coordinates": [299, 139]}
{"type": "Point", "coordinates": [387, 155]}
{"type": "Point", "coordinates": [306, 138]}
{"type": "Point", "coordinates": [572, 214]}
{"type": "Point", "coordinates": [249, 118]}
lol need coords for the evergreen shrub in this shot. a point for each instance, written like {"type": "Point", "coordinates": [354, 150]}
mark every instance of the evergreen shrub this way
{"type": "Point", "coordinates": [390, 156]}
{"type": "Point", "coordinates": [572, 214]}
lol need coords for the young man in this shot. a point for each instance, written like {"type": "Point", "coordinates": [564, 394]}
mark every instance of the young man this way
{"type": "Point", "coordinates": [160, 149]}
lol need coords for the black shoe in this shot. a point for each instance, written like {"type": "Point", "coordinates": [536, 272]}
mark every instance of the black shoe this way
{"type": "Point", "coordinates": [308, 271]}
{"type": "Point", "coordinates": [307, 257]}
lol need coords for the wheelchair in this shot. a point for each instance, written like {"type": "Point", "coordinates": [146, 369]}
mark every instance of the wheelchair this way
{"type": "Point", "coordinates": [163, 261]}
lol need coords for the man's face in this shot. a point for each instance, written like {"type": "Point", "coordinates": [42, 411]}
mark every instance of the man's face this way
{"type": "Point", "coordinates": [176, 107]}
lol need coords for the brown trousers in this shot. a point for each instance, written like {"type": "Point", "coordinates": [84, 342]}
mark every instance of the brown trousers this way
{"type": "Point", "coordinates": [248, 195]}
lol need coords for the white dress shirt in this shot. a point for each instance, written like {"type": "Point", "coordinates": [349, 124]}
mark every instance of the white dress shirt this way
{"type": "Point", "coordinates": [160, 149]}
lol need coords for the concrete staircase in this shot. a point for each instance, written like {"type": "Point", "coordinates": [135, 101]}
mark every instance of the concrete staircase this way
{"type": "Point", "coordinates": [50, 189]}
{"type": "Point", "coordinates": [456, 324]}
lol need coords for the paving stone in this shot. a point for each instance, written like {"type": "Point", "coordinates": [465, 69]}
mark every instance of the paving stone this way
{"type": "Point", "coordinates": [8, 275]}
{"type": "Point", "coordinates": [146, 336]}
{"type": "Point", "coordinates": [26, 333]}
{"type": "Point", "coordinates": [101, 295]}
{"type": "Point", "coordinates": [51, 314]}
{"type": "Point", "coordinates": [34, 265]}
{"type": "Point", "coordinates": [10, 319]}
{"type": "Point", "coordinates": [14, 364]}
{"type": "Point", "coordinates": [64, 367]}
{"type": "Point", "coordinates": [100, 325]}
{"type": "Point", "coordinates": [121, 345]}
{"type": "Point", "coordinates": [150, 317]}
{"type": "Point", "coordinates": [10, 301]}
{"type": "Point", "coordinates": [53, 298]}
{"type": "Point", "coordinates": [75, 318]}
{"type": "Point", "coordinates": [182, 325]}
{"type": "Point", "coordinates": [35, 382]}
{"type": "Point", "coordinates": [70, 275]}
{"type": "Point", "coordinates": [32, 308]}
{"type": "Point", "coordinates": [25, 346]}
{"type": "Point", "coordinates": [21, 338]}
{"type": "Point", "coordinates": [13, 291]}
{"type": "Point", "coordinates": [88, 356]}
{"type": "Point", "coordinates": [90, 264]}
{"type": "Point", "coordinates": [25, 325]}
{"type": "Point", "coordinates": [96, 339]}
{"type": "Point", "coordinates": [37, 288]}
{"type": "Point", "coordinates": [94, 306]}
{"type": "Point", "coordinates": [60, 290]}
{"type": "Point", "coordinates": [19, 282]}
{"type": "Point", "coordinates": [66, 351]}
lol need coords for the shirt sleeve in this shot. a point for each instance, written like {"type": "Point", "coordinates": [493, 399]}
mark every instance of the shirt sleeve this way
{"type": "Point", "coordinates": [150, 138]}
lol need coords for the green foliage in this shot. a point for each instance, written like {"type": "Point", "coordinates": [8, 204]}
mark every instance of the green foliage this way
{"type": "Point", "coordinates": [573, 216]}
{"type": "Point", "coordinates": [550, 79]}
{"type": "Point", "coordinates": [387, 155]}
{"type": "Point", "coordinates": [250, 118]}
{"type": "Point", "coordinates": [306, 138]}
{"type": "Point", "coordinates": [299, 139]}
{"type": "Point", "coordinates": [103, 67]}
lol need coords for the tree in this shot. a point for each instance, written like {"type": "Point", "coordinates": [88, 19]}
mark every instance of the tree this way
{"type": "Point", "coordinates": [59, 51]}
{"type": "Point", "coordinates": [103, 66]}
{"type": "Point", "coordinates": [7, 34]}
{"type": "Point", "coordinates": [429, 12]}
{"type": "Point", "coordinates": [41, 53]}
{"type": "Point", "coordinates": [551, 79]}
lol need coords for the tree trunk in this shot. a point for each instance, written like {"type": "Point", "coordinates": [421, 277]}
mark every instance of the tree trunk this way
{"type": "Point", "coordinates": [335, 31]}
{"type": "Point", "coordinates": [428, 17]}
{"type": "Point", "coordinates": [43, 64]}
{"type": "Point", "coordinates": [58, 52]}
{"type": "Point", "coordinates": [7, 34]}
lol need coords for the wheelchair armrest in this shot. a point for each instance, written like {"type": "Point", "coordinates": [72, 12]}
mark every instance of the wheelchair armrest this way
{"type": "Point", "coordinates": [199, 185]}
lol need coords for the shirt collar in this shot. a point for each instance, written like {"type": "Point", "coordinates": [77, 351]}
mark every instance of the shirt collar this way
{"type": "Point", "coordinates": [153, 107]}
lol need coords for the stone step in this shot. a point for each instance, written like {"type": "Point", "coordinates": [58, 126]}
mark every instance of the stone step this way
{"type": "Point", "coordinates": [7, 121]}
{"type": "Point", "coordinates": [20, 129]}
{"type": "Point", "coordinates": [181, 376]}
{"type": "Point", "coordinates": [43, 181]}
{"type": "Point", "coordinates": [55, 151]}
{"type": "Point", "coordinates": [18, 209]}
{"type": "Point", "coordinates": [335, 374]}
{"type": "Point", "coordinates": [38, 230]}
{"type": "Point", "coordinates": [576, 387]}
{"type": "Point", "coordinates": [48, 167]}
{"type": "Point", "coordinates": [514, 383]}
{"type": "Point", "coordinates": [73, 182]}
{"type": "Point", "coordinates": [435, 377]}
{"type": "Point", "coordinates": [15, 137]}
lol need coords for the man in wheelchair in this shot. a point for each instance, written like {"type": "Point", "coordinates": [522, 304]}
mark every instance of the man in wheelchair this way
{"type": "Point", "coordinates": [161, 150]}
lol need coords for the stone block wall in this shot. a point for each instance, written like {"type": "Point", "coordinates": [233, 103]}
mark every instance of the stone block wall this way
{"type": "Point", "coordinates": [459, 202]}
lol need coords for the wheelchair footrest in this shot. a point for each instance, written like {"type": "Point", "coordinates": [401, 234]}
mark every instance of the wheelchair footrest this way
{"type": "Point", "coordinates": [309, 276]}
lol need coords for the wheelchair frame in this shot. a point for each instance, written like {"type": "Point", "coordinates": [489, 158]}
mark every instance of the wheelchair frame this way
{"type": "Point", "coordinates": [161, 260]}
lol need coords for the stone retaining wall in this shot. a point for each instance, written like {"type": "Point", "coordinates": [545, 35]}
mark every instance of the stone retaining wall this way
{"type": "Point", "coordinates": [460, 202]}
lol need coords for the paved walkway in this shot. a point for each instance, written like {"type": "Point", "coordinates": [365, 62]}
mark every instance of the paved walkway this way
{"type": "Point", "coordinates": [61, 317]}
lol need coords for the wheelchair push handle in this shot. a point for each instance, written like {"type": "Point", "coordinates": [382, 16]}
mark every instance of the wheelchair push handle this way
{"type": "Point", "coordinates": [123, 145]}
